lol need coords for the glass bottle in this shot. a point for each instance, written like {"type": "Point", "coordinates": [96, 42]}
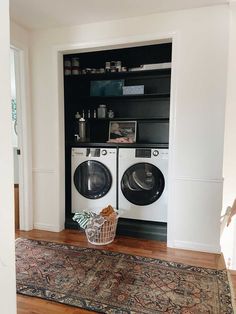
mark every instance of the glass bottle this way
{"type": "Point", "coordinates": [110, 114]}
{"type": "Point", "coordinates": [102, 111]}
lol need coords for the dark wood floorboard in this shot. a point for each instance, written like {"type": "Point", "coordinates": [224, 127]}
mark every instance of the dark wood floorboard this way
{"type": "Point", "coordinates": [149, 248]}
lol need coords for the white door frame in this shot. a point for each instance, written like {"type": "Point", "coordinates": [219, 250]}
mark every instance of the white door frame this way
{"type": "Point", "coordinates": [58, 52]}
{"type": "Point", "coordinates": [24, 136]}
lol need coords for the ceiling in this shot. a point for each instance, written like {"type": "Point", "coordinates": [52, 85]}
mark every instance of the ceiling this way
{"type": "Point", "coordinates": [38, 14]}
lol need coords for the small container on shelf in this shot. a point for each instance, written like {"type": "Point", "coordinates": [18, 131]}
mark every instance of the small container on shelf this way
{"type": "Point", "coordinates": [77, 115]}
{"type": "Point", "coordinates": [107, 66]}
{"type": "Point", "coordinates": [110, 114]}
{"type": "Point", "coordinates": [115, 66]}
{"type": "Point", "coordinates": [94, 113]}
{"type": "Point", "coordinates": [82, 130]}
{"type": "Point", "coordinates": [67, 67]}
{"type": "Point", "coordinates": [102, 111]}
{"type": "Point", "coordinates": [75, 66]}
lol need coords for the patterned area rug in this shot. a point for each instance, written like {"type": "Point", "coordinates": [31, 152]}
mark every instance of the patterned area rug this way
{"type": "Point", "coordinates": [109, 282]}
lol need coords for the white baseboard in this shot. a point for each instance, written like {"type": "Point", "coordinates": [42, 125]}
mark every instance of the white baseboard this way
{"type": "Point", "coordinates": [47, 227]}
{"type": "Point", "coordinates": [193, 246]}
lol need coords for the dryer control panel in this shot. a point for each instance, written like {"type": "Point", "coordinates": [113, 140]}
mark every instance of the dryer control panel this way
{"type": "Point", "coordinates": [149, 153]}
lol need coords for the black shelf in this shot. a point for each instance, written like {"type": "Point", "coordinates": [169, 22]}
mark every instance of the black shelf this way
{"type": "Point", "coordinates": [135, 96]}
{"type": "Point", "coordinates": [133, 145]}
{"type": "Point", "coordinates": [127, 119]}
{"type": "Point", "coordinates": [116, 75]}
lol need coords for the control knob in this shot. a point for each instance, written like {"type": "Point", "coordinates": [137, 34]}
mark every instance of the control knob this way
{"type": "Point", "coordinates": [155, 153]}
{"type": "Point", "coordinates": [104, 152]}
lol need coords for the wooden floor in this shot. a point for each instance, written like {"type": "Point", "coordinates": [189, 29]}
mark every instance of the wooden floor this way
{"type": "Point", "coordinates": [149, 248]}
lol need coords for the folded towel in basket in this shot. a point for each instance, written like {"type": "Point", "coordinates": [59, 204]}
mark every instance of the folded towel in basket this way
{"type": "Point", "coordinates": [83, 218]}
{"type": "Point", "coordinates": [94, 226]}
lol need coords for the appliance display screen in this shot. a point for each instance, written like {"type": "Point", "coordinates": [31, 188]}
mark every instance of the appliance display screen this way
{"type": "Point", "coordinates": [143, 153]}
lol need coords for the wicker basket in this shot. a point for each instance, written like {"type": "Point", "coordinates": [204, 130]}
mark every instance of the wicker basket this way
{"type": "Point", "coordinates": [106, 234]}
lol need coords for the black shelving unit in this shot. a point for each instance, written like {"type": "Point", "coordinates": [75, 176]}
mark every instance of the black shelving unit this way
{"type": "Point", "coordinates": [150, 110]}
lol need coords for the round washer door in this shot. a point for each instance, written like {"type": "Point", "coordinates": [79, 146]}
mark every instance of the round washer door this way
{"type": "Point", "coordinates": [92, 179]}
{"type": "Point", "coordinates": [142, 184]}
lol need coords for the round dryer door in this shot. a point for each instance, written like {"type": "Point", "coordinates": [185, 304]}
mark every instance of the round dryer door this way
{"type": "Point", "coordinates": [92, 179]}
{"type": "Point", "coordinates": [142, 184]}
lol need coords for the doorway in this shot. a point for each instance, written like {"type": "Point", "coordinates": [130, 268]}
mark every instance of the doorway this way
{"type": "Point", "coordinates": [21, 137]}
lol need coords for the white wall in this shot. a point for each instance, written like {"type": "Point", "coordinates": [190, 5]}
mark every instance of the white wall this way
{"type": "Point", "coordinates": [7, 256]}
{"type": "Point", "coordinates": [19, 36]}
{"type": "Point", "coordinates": [229, 236]}
{"type": "Point", "coordinates": [197, 118]}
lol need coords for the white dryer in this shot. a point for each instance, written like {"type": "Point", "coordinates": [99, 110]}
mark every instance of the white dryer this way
{"type": "Point", "coordinates": [143, 183]}
{"type": "Point", "coordinates": [93, 172]}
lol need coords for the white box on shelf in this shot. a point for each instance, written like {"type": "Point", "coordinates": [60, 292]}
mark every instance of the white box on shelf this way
{"type": "Point", "coordinates": [157, 66]}
{"type": "Point", "coordinates": [152, 66]}
{"type": "Point", "coordinates": [133, 90]}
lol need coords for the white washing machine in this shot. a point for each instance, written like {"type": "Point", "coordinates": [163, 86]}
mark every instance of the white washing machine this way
{"type": "Point", "coordinates": [143, 183]}
{"type": "Point", "coordinates": [93, 185]}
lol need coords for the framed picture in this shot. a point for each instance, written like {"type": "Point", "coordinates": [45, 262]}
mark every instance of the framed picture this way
{"type": "Point", "coordinates": [122, 131]}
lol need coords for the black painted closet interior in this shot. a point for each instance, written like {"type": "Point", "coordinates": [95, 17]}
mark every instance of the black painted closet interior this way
{"type": "Point", "coordinates": [150, 110]}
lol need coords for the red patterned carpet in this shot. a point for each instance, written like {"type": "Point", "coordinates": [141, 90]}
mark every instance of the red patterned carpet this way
{"type": "Point", "coordinates": [109, 282]}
